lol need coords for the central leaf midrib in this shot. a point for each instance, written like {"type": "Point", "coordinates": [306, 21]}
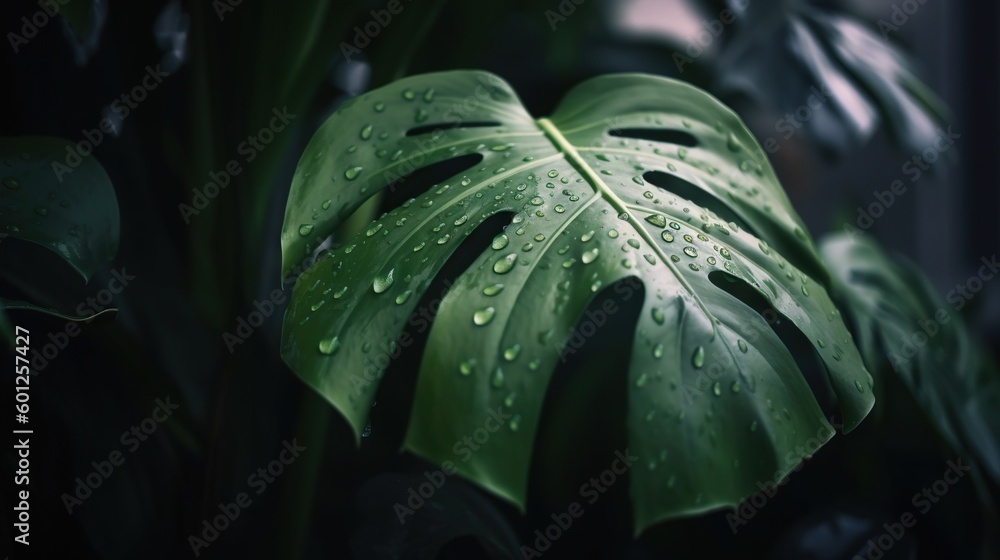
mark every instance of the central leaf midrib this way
{"type": "Point", "coordinates": [571, 154]}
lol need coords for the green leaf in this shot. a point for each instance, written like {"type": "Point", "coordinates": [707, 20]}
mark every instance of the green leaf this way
{"type": "Point", "coordinates": [797, 55]}
{"type": "Point", "coordinates": [723, 390]}
{"type": "Point", "coordinates": [69, 210]}
{"type": "Point", "coordinates": [904, 328]}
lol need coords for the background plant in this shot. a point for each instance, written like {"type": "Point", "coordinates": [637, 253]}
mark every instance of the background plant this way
{"type": "Point", "coordinates": [194, 280]}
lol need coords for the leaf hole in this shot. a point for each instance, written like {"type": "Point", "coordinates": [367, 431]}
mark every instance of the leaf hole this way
{"type": "Point", "coordinates": [797, 343]}
{"type": "Point", "coordinates": [698, 196]}
{"type": "Point", "coordinates": [678, 137]}
{"type": "Point", "coordinates": [423, 179]}
{"type": "Point", "coordinates": [424, 129]}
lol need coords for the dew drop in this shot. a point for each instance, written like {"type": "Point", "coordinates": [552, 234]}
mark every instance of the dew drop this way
{"type": "Point", "coordinates": [691, 252]}
{"type": "Point", "coordinates": [589, 256]}
{"type": "Point", "coordinates": [658, 351]}
{"type": "Point", "coordinates": [658, 316]}
{"type": "Point", "coordinates": [698, 359]}
{"type": "Point", "coordinates": [383, 281]}
{"type": "Point", "coordinates": [493, 289]}
{"type": "Point", "coordinates": [514, 423]}
{"type": "Point", "coordinates": [512, 353]}
{"type": "Point", "coordinates": [733, 143]}
{"type": "Point", "coordinates": [352, 173]}
{"type": "Point", "coordinates": [742, 345]}
{"type": "Point", "coordinates": [504, 265]}
{"type": "Point", "coordinates": [305, 229]}
{"type": "Point", "coordinates": [467, 367]}
{"type": "Point", "coordinates": [657, 220]}
{"type": "Point", "coordinates": [329, 346]}
{"type": "Point", "coordinates": [497, 378]}
{"type": "Point", "coordinates": [401, 298]}
{"type": "Point", "coordinates": [483, 316]}
{"type": "Point", "coordinates": [366, 132]}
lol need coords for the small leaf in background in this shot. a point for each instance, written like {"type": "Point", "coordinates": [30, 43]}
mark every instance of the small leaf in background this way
{"type": "Point", "coordinates": [52, 195]}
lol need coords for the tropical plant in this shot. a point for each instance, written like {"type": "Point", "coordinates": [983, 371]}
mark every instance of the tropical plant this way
{"type": "Point", "coordinates": [632, 176]}
{"type": "Point", "coordinates": [574, 395]}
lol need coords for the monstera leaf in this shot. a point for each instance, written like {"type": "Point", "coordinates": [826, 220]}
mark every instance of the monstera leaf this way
{"type": "Point", "coordinates": [579, 190]}
{"type": "Point", "coordinates": [830, 74]}
{"type": "Point", "coordinates": [904, 328]}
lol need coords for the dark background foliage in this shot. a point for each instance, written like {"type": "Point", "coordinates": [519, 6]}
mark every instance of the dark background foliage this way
{"type": "Point", "coordinates": [197, 276]}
